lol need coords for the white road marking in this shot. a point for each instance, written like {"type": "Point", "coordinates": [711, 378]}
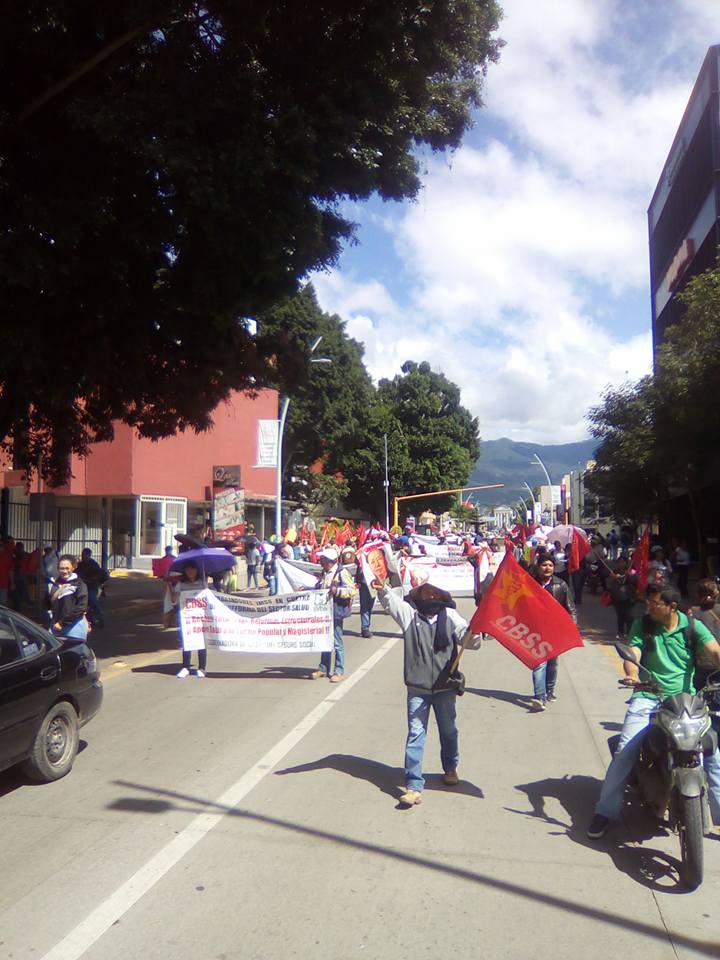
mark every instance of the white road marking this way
{"type": "Point", "coordinates": [89, 930]}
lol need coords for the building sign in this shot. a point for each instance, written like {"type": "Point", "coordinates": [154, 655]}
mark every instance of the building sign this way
{"type": "Point", "coordinates": [267, 441]}
{"type": "Point", "coordinates": [228, 499]}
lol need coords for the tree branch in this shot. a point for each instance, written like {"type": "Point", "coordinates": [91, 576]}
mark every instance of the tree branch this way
{"type": "Point", "coordinates": [57, 88]}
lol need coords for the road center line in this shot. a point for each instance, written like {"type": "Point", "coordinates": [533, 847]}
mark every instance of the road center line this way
{"type": "Point", "coordinates": [89, 930]}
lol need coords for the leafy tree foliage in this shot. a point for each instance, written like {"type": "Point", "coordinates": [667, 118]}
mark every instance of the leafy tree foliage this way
{"type": "Point", "coordinates": [433, 442]}
{"type": "Point", "coordinates": [659, 436]}
{"type": "Point", "coordinates": [627, 473]}
{"type": "Point", "coordinates": [328, 406]}
{"type": "Point", "coordinates": [168, 167]}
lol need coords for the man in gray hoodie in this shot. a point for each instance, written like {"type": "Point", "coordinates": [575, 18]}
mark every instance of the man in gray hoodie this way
{"type": "Point", "coordinates": [432, 632]}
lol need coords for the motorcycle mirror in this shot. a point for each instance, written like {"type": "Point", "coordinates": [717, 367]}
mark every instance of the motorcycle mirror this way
{"type": "Point", "coordinates": [625, 652]}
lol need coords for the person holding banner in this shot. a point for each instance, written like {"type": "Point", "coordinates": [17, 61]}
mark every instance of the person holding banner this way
{"type": "Point", "coordinates": [340, 586]}
{"type": "Point", "coordinates": [432, 632]}
{"type": "Point", "coordinates": [545, 676]}
{"type": "Point", "coordinates": [189, 581]}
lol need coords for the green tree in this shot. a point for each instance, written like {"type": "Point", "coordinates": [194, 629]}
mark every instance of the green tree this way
{"type": "Point", "coordinates": [627, 472]}
{"type": "Point", "coordinates": [658, 436]}
{"type": "Point", "coordinates": [169, 166]}
{"type": "Point", "coordinates": [327, 417]}
{"type": "Point", "coordinates": [433, 442]}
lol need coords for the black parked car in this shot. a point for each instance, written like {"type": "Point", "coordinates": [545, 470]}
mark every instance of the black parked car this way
{"type": "Point", "coordinates": [49, 688]}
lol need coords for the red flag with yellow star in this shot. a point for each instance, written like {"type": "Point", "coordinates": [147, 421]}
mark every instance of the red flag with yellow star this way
{"type": "Point", "coordinates": [523, 617]}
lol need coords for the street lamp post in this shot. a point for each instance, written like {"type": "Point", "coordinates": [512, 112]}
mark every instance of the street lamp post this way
{"type": "Point", "coordinates": [281, 431]}
{"type": "Point", "coordinates": [532, 499]}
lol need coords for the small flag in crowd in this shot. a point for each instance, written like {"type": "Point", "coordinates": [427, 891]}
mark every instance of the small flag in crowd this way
{"type": "Point", "coordinates": [640, 562]}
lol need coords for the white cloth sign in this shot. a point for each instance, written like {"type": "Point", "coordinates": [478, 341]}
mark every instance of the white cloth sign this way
{"type": "Point", "coordinates": [291, 577]}
{"type": "Point", "coordinates": [267, 442]}
{"type": "Point", "coordinates": [295, 623]}
{"type": "Point", "coordinates": [458, 578]}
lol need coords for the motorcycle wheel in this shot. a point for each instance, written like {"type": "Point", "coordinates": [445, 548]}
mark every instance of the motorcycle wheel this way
{"type": "Point", "coordinates": [690, 824]}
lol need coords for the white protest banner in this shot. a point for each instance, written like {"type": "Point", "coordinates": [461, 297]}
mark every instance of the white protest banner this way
{"type": "Point", "coordinates": [435, 549]}
{"type": "Point", "coordinates": [295, 623]}
{"type": "Point", "coordinates": [291, 577]}
{"type": "Point", "coordinates": [457, 577]}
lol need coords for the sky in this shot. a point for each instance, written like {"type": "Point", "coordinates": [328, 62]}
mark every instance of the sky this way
{"type": "Point", "coordinates": [521, 270]}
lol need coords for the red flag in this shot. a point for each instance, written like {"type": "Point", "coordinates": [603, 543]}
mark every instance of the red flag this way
{"type": "Point", "coordinates": [524, 617]}
{"type": "Point", "coordinates": [640, 561]}
{"type": "Point", "coordinates": [578, 548]}
{"type": "Point", "coordinates": [312, 540]}
{"type": "Point", "coordinates": [361, 535]}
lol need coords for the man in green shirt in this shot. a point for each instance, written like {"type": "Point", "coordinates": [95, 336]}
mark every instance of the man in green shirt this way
{"type": "Point", "coordinates": [671, 661]}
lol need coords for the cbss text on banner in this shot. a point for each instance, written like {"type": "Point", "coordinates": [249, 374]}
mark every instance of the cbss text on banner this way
{"type": "Point", "coordinates": [294, 623]}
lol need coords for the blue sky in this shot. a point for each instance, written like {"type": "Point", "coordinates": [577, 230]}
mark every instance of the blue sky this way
{"type": "Point", "coordinates": [521, 271]}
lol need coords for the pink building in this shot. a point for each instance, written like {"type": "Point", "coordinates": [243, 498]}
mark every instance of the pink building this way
{"type": "Point", "coordinates": [129, 498]}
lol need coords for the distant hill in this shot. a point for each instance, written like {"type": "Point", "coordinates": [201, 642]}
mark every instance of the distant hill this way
{"type": "Point", "coordinates": [508, 461]}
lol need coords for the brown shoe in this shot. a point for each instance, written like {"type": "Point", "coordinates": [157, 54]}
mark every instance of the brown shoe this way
{"type": "Point", "coordinates": [450, 777]}
{"type": "Point", "coordinates": [336, 678]}
{"type": "Point", "coordinates": [317, 675]}
{"type": "Point", "coordinates": [411, 798]}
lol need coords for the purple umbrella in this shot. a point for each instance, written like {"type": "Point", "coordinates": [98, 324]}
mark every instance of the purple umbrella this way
{"type": "Point", "coordinates": [208, 560]}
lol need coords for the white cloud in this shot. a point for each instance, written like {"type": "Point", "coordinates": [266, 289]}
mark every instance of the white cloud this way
{"type": "Point", "coordinates": [510, 236]}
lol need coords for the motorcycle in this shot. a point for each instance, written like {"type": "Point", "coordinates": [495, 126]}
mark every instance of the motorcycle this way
{"type": "Point", "coordinates": [592, 580]}
{"type": "Point", "coordinates": [670, 772]}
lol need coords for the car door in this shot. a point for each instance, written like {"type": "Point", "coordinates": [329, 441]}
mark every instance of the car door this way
{"type": "Point", "coordinates": [29, 681]}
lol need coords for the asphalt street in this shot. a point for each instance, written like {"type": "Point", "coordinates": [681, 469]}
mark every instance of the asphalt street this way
{"type": "Point", "coordinates": [253, 815]}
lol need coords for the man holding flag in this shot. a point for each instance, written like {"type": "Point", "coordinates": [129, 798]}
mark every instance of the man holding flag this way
{"type": "Point", "coordinates": [432, 631]}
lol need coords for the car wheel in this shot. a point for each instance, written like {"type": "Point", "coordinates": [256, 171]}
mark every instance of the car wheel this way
{"type": "Point", "coordinates": [56, 744]}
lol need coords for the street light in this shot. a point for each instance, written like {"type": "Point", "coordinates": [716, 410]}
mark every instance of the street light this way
{"type": "Point", "coordinates": [281, 432]}
{"type": "Point", "coordinates": [532, 497]}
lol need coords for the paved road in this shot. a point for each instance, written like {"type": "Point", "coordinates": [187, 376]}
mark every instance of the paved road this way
{"type": "Point", "coordinates": [252, 816]}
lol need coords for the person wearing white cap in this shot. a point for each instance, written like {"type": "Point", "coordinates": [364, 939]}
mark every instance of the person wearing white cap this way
{"type": "Point", "coordinates": [339, 585]}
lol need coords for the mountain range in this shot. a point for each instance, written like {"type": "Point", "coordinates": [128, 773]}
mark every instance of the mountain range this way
{"type": "Point", "coordinates": [509, 462]}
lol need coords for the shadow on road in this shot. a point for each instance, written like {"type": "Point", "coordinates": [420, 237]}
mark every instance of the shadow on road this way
{"type": "Point", "coordinates": [266, 673]}
{"type": "Point", "coordinates": [577, 795]}
{"type": "Point", "coordinates": [160, 801]}
{"type": "Point", "coordinates": [13, 778]}
{"type": "Point", "coordinates": [507, 696]}
{"type": "Point", "coordinates": [387, 779]}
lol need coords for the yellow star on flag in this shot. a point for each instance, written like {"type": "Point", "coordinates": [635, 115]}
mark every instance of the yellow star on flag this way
{"type": "Point", "coordinates": [512, 588]}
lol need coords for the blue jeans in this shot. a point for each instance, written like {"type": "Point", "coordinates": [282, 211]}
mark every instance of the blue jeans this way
{"type": "Point", "coordinates": [418, 713]}
{"type": "Point", "coordinates": [367, 602]}
{"type": "Point", "coordinates": [545, 679]}
{"type": "Point", "coordinates": [637, 719]}
{"type": "Point", "coordinates": [326, 655]}
{"type": "Point", "coordinates": [252, 575]}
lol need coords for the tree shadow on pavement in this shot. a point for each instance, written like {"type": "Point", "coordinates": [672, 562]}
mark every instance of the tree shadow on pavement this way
{"type": "Point", "coordinates": [158, 801]}
{"type": "Point", "coordinates": [507, 696]}
{"type": "Point", "coordinates": [578, 795]}
{"type": "Point", "coordinates": [387, 779]}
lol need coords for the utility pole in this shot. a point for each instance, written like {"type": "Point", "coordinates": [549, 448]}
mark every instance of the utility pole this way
{"type": "Point", "coordinates": [386, 484]}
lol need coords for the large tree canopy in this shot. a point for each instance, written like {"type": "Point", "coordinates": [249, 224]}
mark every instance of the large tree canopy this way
{"type": "Point", "coordinates": [659, 435]}
{"type": "Point", "coordinates": [327, 417]}
{"type": "Point", "coordinates": [433, 442]}
{"type": "Point", "coordinates": [168, 167]}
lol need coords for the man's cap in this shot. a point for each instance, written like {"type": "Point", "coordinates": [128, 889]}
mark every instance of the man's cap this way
{"type": "Point", "coordinates": [329, 553]}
